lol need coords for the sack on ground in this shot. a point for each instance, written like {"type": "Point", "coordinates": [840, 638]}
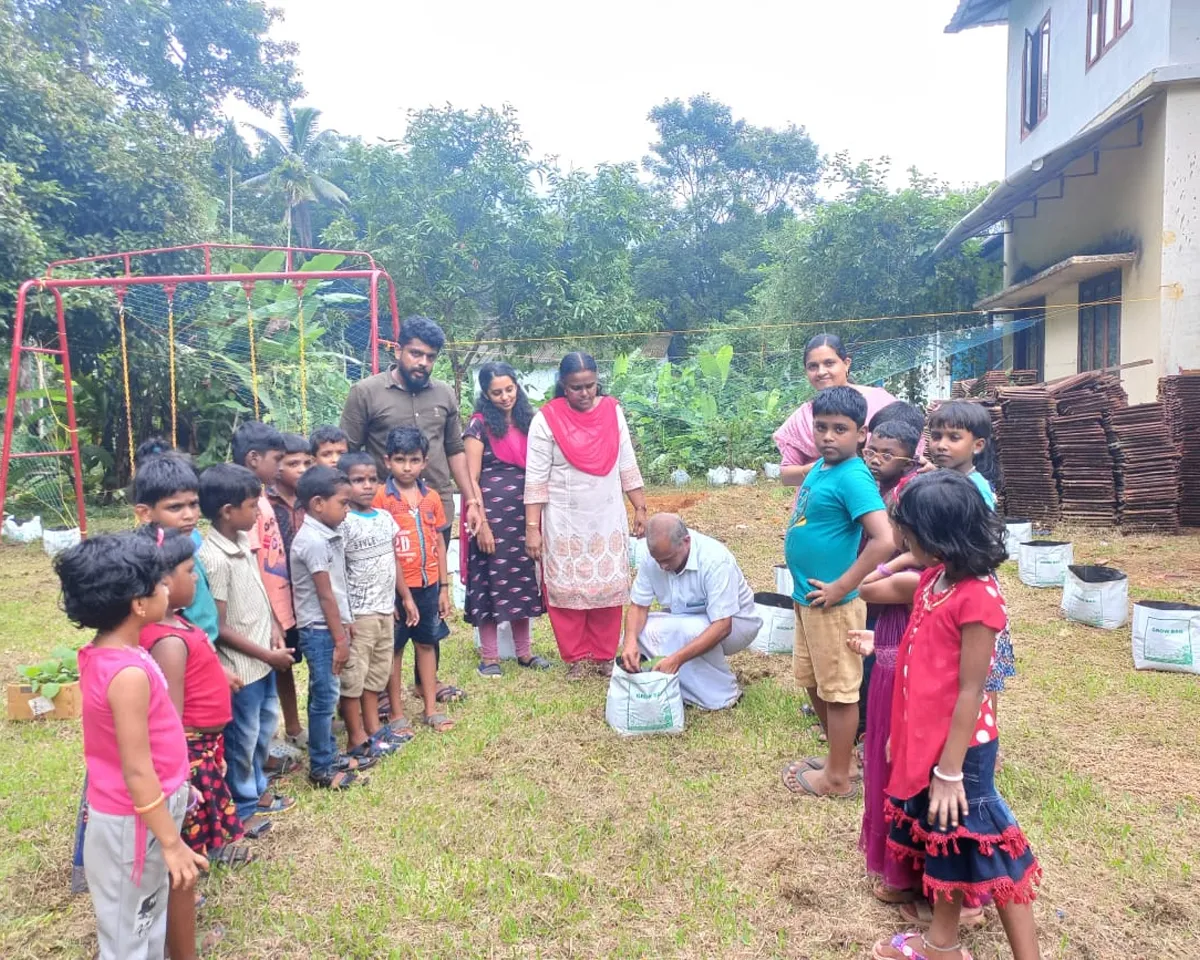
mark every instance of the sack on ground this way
{"type": "Point", "coordinates": [718, 476]}
{"type": "Point", "coordinates": [22, 531]}
{"type": "Point", "coordinates": [1097, 596]}
{"type": "Point", "coordinates": [783, 580]}
{"type": "Point", "coordinates": [504, 641]}
{"type": "Point", "coordinates": [1043, 563]}
{"type": "Point", "coordinates": [644, 703]}
{"type": "Point", "coordinates": [1165, 636]}
{"type": "Point", "coordinates": [743, 478]}
{"type": "Point", "coordinates": [458, 589]}
{"type": "Point", "coordinates": [1016, 532]}
{"type": "Point", "coordinates": [639, 550]}
{"type": "Point", "coordinates": [771, 471]}
{"type": "Point", "coordinates": [778, 632]}
{"type": "Point", "coordinates": [55, 541]}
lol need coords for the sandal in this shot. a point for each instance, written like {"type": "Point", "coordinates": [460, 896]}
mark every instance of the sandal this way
{"type": "Point", "coordinates": [373, 747]}
{"type": "Point", "coordinates": [920, 913]}
{"type": "Point", "coordinates": [286, 765]}
{"type": "Point", "coordinates": [806, 789]}
{"type": "Point", "coordinates": [490, 670]}
{"type": "Point", "coordinates": [255, 827]}
{"type": "Point", "coordinates": [232, 855]}
{"type": "Point", "coordinates": [345, 762]}
{"type": "Point", "coordinates": [439, 723]}
{"type": "Point", "coordinates": [401, 730]}
{"type": "Point", "coordinates": [891, 895]}
{"type": "Point", "coordinates": [337, 779]}
{"type": "Point", "coordinates": [899, 943]}
{"type": "Point", "coordinates": [818, 763]}
{"type": "Point", "coordinates": [577, 670]}
{"type": "Point", "coordinates": [534, 663]}
{"type": "Point", "coordinates": [277, 804]}
{"type": "Point", "coordinates": [450, 694]}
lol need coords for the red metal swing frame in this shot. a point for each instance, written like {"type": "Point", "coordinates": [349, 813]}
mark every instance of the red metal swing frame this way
{"type": "Point", "coordinates": [121, 283]}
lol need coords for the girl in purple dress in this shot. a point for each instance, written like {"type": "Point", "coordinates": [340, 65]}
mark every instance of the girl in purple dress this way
{"type": "Point", "coordinates": [501, 580]}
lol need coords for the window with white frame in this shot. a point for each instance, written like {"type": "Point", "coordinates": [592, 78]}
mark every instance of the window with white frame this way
{"type": "Point", "coordinates": [1107, 22]}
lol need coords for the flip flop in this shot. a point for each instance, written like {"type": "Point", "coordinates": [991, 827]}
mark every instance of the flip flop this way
{"type": "Point", "coordinates": [439, 723]}
{"type": "Point", "coordinates": [277, 804]}
{"type": "Point", "coordinates": [337, 780]}
{"type": "Point", "coordinates": [891, 896]}
{"type": "Point", "coordinates": [792, 771]}
{"type": "Point", "coordinates": [818, 763]}
{"type": "Point", "coordinates": [920, 913]}
{"type": "Point", "coordinates": [402, 729]}
{"type": "Point", "coordinates": [232, 855]}
{"type": "Point", "coordinates": [256, 826]}
{"type": "Point", "coordinates": [899, 943]}
{"type": "Point", "coordinates": [808, 790]}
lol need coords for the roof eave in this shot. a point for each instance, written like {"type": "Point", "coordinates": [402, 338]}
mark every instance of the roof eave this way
{"type": "Point", "coordinates": [978, 13]}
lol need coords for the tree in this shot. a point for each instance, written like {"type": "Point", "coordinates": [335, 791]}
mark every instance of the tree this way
{"type": "Point", "coordinates": [870, 254]}
{"type": "Point", "coordinates": [179, 57]}
{"type": "Point", "coordinates": [297, 159]}
{"type": "Point", "coordinates": [723, 185]}
{"type": "Point", "coordinates": [230, 155]}
{"type": "Point", "coordinates": [79, 175]}
{"type": "Point", "coordinates": [453, 215]}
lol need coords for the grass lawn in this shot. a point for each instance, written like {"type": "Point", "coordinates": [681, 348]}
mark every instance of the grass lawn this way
{"type": "Point", "coordinates": [533, 831]}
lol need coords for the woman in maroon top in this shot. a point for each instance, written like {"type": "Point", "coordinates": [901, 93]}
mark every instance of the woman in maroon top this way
{"type": "Point", "coordinates": [945, 813]}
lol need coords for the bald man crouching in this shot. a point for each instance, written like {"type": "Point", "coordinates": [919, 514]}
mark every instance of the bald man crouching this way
{"type": "Point", "coordinates": [709, 612]}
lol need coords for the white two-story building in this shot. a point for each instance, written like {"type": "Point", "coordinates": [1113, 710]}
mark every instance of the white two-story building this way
{"type": "Point", "coordinates": [1100, 204]}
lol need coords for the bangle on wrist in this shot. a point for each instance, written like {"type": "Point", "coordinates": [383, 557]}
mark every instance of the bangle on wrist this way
{"type": "Point", "coordinates": [937, 772]}
{"type": "Point", "coordinates": [883, 570]}
{"type": "Point", "coordinates": [141, 811]}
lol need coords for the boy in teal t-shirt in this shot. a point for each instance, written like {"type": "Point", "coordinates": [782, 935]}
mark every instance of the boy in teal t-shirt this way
{"type": "Point", "coordinates": [838, 502]}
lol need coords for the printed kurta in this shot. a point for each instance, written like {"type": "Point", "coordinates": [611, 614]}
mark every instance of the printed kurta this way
{"type": "Point", "coordinates": [585, 529]}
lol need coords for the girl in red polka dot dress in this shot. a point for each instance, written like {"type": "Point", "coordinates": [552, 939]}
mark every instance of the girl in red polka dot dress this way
{"type": "Point", "coordinates": [943, 807]}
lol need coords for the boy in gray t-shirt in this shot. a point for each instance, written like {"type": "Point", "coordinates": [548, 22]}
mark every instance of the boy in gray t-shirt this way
{"type": "Point", "coordinates": [371, 579]}
{"type": "Point", "coordinates": [318, 561]}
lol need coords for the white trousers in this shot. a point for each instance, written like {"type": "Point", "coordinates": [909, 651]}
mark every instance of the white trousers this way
{"type": "Point", "coordinates": [706, 681]}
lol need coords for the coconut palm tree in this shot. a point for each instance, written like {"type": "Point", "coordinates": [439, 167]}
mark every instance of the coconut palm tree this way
{"type": "Point", "coordinates": [298, 156]}
{"type": "Point", "coordinates": [230, 151]}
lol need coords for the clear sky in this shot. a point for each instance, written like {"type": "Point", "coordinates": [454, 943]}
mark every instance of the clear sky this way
{"type": "Point", "coordinates": [873, 77]}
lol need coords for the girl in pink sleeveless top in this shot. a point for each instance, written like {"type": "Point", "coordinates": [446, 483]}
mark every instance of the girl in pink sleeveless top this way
{"type": "Point", "coordinates": [134, 747]}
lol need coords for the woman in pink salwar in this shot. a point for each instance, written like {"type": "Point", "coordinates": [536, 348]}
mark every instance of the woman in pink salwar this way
{"type": "Point", "coordinates": [580, 461]}
{"type": "Point", "coordinates": [827, 364]}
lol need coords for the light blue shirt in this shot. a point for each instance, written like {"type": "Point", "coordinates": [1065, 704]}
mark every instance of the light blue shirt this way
{"type": "Point", "coordinates": [985, 488]}
{"type": "Point", "coordinates": [203, 611]}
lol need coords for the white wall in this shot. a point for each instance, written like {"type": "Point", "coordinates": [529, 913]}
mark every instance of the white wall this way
{"type": "Point", "coordinates": [1180, 338]}
{"type": "Point", "coordinates": [1185, 31]}
{"type": "Point", "coordinates": [1126, 196]}
{"type": "Point", "coordinates": [1077, 94]}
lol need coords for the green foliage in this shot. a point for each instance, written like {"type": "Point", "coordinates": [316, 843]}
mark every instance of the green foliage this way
{"type": "Point", "coordinates": [452, 213]}
{"type": "Point", "coordinates": [721, 185]}
{"type": "Point", "coordinates": [297, 160]}
{"type": "Point", "coordinates": [178, 57]}
{"type": "Point", "coordinates": [870, 254]}
{"type": "Point", "coordinates": [701, 413]}
{"type": "Point", "coordinates": [48, 676]}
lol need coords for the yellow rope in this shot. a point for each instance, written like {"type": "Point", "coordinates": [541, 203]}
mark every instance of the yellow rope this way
{"type": "Point", "coordinates": [303, 365]}
{"type": "Point", "coordinates": [171, 363]}
{"type": "Point", "coordinates": [253, 356]}
{"type": "Point", "coordinates": [125, 378]}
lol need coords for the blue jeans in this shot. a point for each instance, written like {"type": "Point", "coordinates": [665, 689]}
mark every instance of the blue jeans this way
{"type": "Point", "coordinates": [247, 739]}
{"type": "Point", "coordinates": [316, 643]}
